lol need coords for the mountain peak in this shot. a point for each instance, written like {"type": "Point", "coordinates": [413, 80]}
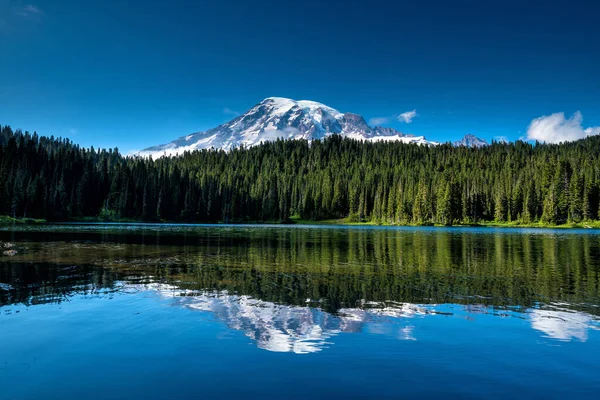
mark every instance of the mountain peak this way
{"type": "Point", "coordinates": [470, 140]}
{"type": "Point", "coordinates": [283, 105]}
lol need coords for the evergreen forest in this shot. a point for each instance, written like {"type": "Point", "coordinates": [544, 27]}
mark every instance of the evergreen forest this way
{"type": "Point", "coordinates": [286, 180]}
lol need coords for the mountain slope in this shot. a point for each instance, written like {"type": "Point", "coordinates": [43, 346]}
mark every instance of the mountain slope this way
{"type": "Point", "coordinates": [277, 117]}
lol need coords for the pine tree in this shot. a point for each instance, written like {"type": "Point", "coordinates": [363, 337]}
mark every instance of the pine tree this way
{"type": "Point", "coordinates": [444, 205]}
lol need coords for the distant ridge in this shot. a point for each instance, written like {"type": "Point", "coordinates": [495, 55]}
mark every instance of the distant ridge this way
{"type": "Point", "coordinates": [471, 141]}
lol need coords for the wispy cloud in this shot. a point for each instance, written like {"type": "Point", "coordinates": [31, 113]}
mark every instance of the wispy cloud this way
{"type": "Point", "coordinates": [407, 116]}
{"type": "Point", "coordinates": [377, 121]}
{"type": "Point", "coordinates": [229, 111]}
{"type": "Point", "coordinates": [132, 153]}
{"type": "Point", "coordinates": [12, 11]}
{"type": "Point", "coordinates": [28, 11]}
{"type": "Point", "coordinates": [556, 128]}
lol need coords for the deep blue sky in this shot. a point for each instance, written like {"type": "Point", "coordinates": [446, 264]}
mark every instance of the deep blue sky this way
{"type": "Point", "coordinates": [138, 73]}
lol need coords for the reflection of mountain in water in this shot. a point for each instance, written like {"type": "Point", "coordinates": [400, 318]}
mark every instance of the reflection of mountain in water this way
{"type": "Point", "coordinates": [284, 328]}
{"type": "Point", "coordinates": [295, 328]}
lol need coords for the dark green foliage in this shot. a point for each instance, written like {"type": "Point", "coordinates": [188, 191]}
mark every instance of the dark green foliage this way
{"type": "Point", "coordinates": [391, 183]}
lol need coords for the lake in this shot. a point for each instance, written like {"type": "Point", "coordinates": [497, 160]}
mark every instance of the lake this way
{"type": "Point", "coordinates": [108, 311]}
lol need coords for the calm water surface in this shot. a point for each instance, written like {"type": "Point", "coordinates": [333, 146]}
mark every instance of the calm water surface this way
{"type": "Point", "coordinates": [187, 311]}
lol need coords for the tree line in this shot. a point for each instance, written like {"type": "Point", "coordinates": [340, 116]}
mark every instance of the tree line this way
{"type": "Point", "coordinates": [385, 182]}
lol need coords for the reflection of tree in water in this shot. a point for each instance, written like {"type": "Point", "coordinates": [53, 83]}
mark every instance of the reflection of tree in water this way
{"type": "Point", "coordinates": [333, 268]}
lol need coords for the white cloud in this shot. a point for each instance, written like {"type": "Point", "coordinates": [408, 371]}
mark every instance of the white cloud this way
{"type": "Point", "coordinates": [556, 128]}
{"type": "Point", "coordinates": [229, 111]}
{"type": "Point", "coordinates": [592, 131]}
{"type": "Point", "coordinates": [407, 116]}
{"type": "Point", "coordinates": [27, 11]}
{"type": "Point", "coordinates": [378, 121]}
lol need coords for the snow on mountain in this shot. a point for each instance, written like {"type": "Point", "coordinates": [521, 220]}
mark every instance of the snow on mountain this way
{"type": "Point", "coordinates": [277, 117]}
{"type": "Point", "coordinates": [471, 141]}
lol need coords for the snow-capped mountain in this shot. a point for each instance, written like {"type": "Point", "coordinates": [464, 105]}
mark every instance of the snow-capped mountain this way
{"type": "Point", "coordinates": [277, 117]}
{"type": "Point", "coordinates": [471, 141]}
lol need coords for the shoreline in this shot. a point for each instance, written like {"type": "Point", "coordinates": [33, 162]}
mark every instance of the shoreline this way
{"type": "Point", "coordinates": [490, 224]}
{"type": "Point", "coordinates": [7, 221]}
